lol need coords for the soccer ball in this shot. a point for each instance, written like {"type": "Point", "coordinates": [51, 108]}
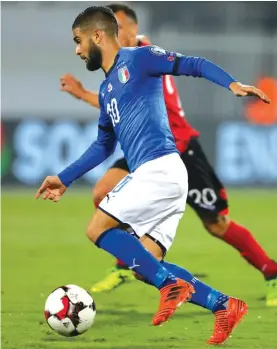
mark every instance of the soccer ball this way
{"type": "Point", "coordinates": [70, 310]}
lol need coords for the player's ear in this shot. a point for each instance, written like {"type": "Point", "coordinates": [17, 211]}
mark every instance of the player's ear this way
{"type": "Point", "coordinates": [97, 36]}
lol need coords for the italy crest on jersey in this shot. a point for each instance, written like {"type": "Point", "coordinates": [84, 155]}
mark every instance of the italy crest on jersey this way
{"type": "Point", "coordinates": [123, 74]}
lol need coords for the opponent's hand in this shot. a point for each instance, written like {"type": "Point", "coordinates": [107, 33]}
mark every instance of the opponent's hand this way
{"type": "Point", "coordinates": [72, 86]}
{"type": "Point", "coordinates": [241, 90]}
{"type": "Point", "coordinates": [52, 188]}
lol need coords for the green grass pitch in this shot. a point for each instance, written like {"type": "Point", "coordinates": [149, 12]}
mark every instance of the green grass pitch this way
{"type": "Point", "coordinates": [44, 246]}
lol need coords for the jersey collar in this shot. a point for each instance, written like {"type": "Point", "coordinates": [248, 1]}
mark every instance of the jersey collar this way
{"type": "Point", "coordinates": [114, 63]}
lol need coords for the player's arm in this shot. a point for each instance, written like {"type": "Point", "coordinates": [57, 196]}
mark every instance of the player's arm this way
{"type": "Point", "coordinates": [98, 152]}
{"type": "Point", "coordinates": [53, 187]}
{"type": "Point", "coordinates": [74, 87]}
{"type": "Point", "coordinates": [156, 61]}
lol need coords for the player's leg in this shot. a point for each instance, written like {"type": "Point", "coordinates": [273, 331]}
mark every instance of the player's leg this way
{"type": "Point", "coordinates": [208, 198]}
{"type": "Point", "coordinates": [119, 273]}
{"type": "Point", "coordinates": [148, 197]}
{"type": "Point", "coordinates": [119, 206]}
{"type": "Point", "coordinates": [228, 310]}
{"type": "Point", "coordinates": [104, 231]}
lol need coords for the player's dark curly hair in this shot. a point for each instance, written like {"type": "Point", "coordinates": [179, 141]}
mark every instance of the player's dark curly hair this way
{"type": "Point", "coordinates": [124, 8]}
{"type": "Point", "coordinates": [97, 17]}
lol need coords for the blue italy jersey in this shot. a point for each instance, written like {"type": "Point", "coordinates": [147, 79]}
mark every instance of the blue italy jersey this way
{"type": "Point", "coordinates": [132, 104]}
{"type": "Point", "coordinates": [133, 109]}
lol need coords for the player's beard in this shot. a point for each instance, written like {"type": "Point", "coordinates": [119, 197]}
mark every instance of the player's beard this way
{"type": "Point", "coordinates": [94, 57]}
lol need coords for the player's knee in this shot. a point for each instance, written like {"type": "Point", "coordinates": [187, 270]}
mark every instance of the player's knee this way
{"type": "Point", "coordinates": [99, 224]}
{"type": "Point", "coordinates": [216, 226]}
{"type": "Point", "coordinates": [90, 232]}
{"type": "Point", "coordinates": [98, 194]}
{"type": "Point", "coordinates": [94, 230]}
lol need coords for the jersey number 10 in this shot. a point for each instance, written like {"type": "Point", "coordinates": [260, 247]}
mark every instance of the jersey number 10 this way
{"type": "Point", "coordinates": [113, 112]}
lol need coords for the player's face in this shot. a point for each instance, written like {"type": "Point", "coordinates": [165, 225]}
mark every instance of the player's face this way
{"type": "Point", "coordinates": [87, 49]}
{"type": "Point", "coordinates": [127, 29]}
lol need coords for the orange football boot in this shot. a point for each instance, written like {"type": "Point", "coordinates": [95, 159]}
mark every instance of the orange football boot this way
{"type": "Point", "coordinates": [172, 297]}
{"type": "Point", "coordinates": [226, 320]}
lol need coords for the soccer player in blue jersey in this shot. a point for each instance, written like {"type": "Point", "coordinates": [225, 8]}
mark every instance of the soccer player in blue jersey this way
{"type": "Point", "coordinates": [151, 199]}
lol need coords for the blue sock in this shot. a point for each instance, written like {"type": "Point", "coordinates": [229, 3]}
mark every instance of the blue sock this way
{"type": "Point", "coordinates": [130, 250]}
{"type": "Point", "coordinates": [204, 296]}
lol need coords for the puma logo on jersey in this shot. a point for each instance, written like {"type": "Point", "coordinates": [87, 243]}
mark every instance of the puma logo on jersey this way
{"type": "Point", "coordinates": [110, 87]}
{"type": "Point", "coordinates": [134, 264]}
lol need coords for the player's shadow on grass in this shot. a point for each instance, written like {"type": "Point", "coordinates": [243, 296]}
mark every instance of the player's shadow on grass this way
{"type": "Point", "coordinates": [166, 345]}
{"type": "Point", "coordinates": [124, 318]}
{"type": "Point", "coordinates": [94, 343]}
{"type": "Point", "coordinates": [126, 315]}
{"type": "Point", "coordinates": [90, 344]}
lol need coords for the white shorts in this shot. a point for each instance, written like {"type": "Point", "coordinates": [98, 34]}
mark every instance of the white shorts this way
{"type": "Point", "coordinates": [152, 199]}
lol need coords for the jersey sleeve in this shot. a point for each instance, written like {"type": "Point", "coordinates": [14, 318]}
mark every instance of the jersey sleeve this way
{"type": "Point", "coordinates": [156, 62]}
{"type": "Point", "coordinates": [99, 151]}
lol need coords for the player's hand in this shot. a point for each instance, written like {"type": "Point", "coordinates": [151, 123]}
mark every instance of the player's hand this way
{"type": "Point", "coordinates": [241, 90]}
{"type": "Point", "coordinates": [72, 86]}
{"type": "Point", "coordinates": [52, 189]}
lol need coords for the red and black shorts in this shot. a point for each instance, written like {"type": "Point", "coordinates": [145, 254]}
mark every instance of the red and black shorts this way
{"type": "Point", "coordinates": [207, 195]}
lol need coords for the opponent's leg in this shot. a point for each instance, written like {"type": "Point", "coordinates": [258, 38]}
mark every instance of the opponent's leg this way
{"type": "Point", "coordinates": [242, 240]}
{"type": "Point", "coordinates": [208, 198]}
{"type": "Point", "coordinates": [119, 273]}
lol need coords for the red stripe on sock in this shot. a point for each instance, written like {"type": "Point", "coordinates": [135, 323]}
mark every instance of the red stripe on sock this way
{"type": "Point", "coordinates": [242, 240]}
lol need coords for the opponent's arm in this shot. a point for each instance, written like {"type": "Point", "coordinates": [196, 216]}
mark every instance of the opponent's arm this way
{"type": "Point", "coordinates": [74, 87]}
{"type": "Point", "coordinates": [157, 62]}
{"type": "Point", "coordinates": [144, 38]}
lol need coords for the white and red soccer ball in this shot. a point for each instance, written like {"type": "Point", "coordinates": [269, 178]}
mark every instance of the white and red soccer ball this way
{"type": "Point", "coordinates": [70, 310]}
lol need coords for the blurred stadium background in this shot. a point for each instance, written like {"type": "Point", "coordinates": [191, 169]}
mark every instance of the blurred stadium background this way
{"type": "Point", "coordinates": [43, 130]}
